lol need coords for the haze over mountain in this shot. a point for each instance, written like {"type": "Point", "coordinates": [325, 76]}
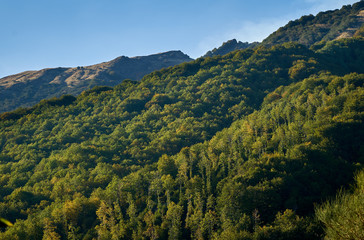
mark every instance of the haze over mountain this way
{"type": "Point", "coordinates": [27, 88]}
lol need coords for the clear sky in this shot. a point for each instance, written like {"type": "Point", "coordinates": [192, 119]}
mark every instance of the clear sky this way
{"type": "Point", "coordinates": [38, 34]}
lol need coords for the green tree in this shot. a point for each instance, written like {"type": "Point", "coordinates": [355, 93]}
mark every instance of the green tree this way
{"type": "Point", "coordinates": [343, 218]}
{"type": "Point", "coordinates": [172, 221]}
{"type": "Point", "coordinates": [50, 232]}
{"type": "Point", "coordinates": [111, 222]}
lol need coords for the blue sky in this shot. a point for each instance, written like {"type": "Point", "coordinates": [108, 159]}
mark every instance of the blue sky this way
{"type": "Point", "coordinates": [38, 34]}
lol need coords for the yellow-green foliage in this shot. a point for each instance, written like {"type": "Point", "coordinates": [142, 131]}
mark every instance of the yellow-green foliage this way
{"type": "Point", "coordinates": [343, 218]}
{"type": "Point", "coordinates": [218, 148]}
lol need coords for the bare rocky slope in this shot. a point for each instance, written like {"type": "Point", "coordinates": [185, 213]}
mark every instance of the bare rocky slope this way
{"type": "Point", "coordinates": [28, 88]}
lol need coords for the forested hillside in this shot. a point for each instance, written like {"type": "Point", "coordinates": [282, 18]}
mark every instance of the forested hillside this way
{"type": "Point", "coordinates": [325, 26]}
{"type": "Point", "coordinates": [240, 146]}
{"type": "Point", "coordinates": [28, 88]}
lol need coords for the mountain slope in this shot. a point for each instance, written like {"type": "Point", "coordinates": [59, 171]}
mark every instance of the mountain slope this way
{"type": "Point", "coordinates": [27, 88]}
{"type": "Point", "coordinates": [326, 26]}
{"type": "Point", "coordinates": [308, 30]}
{"type": "Point", "coordinates": [143, 159]}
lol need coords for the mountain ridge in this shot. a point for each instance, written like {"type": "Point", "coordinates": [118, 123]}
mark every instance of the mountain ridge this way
{"type": "Point", "coordinates": [349, 23]}
{"type": "Point", "coordinates": [27, 88]}
{"type": "Point", "coordinates": [325, 26]}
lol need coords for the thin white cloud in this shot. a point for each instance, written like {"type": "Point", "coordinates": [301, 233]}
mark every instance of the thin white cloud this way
{"type": "Point", "coordinates": [324, 5]}
{"type": "Point", "coordinates": [247, 31]}
{"type": "Point", "coordinates": [250, 31]}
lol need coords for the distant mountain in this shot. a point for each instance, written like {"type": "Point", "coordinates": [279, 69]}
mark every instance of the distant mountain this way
{"type": "Point", "coordinates": [28, 88]}
{"type": "Point", "coordinates": [230, 46]}
{"type": "Point", "coordinates": [330, 25]}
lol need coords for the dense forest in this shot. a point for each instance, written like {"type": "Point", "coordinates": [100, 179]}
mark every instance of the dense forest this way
{"type": "Point", "coordinates": [240, 146]}
{"type": "Point", "coordinates": [261, 143]}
